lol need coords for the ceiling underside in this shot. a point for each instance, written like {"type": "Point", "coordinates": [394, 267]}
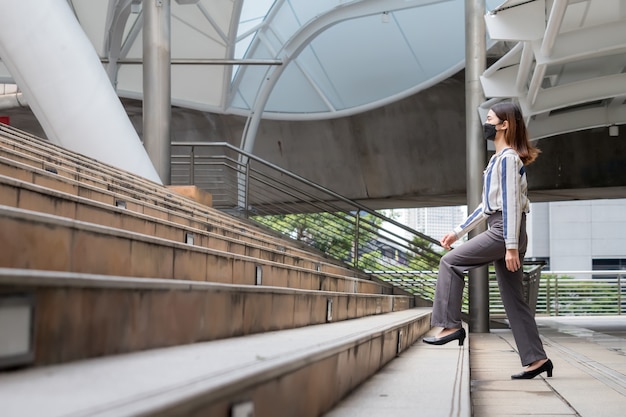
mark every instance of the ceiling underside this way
{"type": "Point", "coordinates": [333, 58]}
{"type": "Point", "coordinates": [567, 67]}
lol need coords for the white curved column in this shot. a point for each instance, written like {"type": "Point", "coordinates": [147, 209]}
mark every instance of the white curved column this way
{"type": "Point", "coordinates": [56, 67]}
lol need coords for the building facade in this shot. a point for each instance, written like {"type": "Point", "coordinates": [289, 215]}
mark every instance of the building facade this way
{"type": "Point", "coordinates": [569, 235]}
{"type": "Point", "coordinates": [579, 235]}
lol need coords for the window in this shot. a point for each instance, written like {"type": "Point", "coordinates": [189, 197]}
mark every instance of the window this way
{"type": "Point", "coordinates": [608, 265]}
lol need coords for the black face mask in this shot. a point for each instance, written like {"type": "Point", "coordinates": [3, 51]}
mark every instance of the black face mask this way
{"type": "Point", "coordinates": [489, 131]}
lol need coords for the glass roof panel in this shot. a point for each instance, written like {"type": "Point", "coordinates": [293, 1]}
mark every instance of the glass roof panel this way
{"type": "Point", "coordinates": [253, 13]}
{"type": "Point", "coordinates": [360, 60]}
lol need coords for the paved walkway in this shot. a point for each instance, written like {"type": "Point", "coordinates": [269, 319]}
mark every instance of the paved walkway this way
{"type": "Point", "coordinates": [589, 380]}
{"type": "Point", "coordinates": [589, 356]}
{"type": "Point", "coordinates": [425, 380]}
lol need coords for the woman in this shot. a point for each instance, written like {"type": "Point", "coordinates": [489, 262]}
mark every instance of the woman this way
{"type": "Point", "coordinates": [504, 205]}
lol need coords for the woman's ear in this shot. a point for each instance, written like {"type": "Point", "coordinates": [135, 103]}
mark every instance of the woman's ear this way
{"type": "Point", "coordinates": [505, 125]}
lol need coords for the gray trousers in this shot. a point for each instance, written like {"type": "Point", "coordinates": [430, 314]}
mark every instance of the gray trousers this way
{"type": "Point", "coordinates": [481, 250]}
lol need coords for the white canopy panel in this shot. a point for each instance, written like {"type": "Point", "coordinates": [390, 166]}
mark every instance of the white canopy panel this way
{"type": "Point", "coordinates": [338, 57]}
{"type": "Point", "coordinates": [346, 57]}
{"type": "Point", "coordinates": [568, 68]}
{"type": "Point", "coordinates": [341, 57]}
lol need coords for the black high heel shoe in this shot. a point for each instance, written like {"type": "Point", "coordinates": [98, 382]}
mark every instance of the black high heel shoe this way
{"type": "Point", "coordinates": [457, 335]}
{"type": "Point", "coordinates": [546, 367]}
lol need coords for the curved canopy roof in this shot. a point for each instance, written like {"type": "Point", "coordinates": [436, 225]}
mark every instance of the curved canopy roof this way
{"type": "Point", "coordinates": [329, 58]}
{"type": "Point", "coordinates": [304, 59]}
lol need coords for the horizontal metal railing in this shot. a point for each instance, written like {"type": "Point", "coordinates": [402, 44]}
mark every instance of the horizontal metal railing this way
{"type": "Point", "coordinates": [564, 293]}
{"type": "Point", "coordinates": [572, 293]}
{"type": "Point", "coordinates": [423, 283]}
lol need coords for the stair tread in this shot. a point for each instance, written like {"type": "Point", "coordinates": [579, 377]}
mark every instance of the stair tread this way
{"type": "Point", "coordinates": [132, 383]}
{"type": "Point", "coordinates": [35, 217]}
{"type": "Point", "coordinates": [45, 278]}
{"type": "Point", "coordinates": [424, 380]}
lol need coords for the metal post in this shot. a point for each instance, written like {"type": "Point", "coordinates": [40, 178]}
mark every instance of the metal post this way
{"type": "Point", "coordinates": [475, 57]}
{"type": "Point", "coordinates": [548, 298]}
{"type": "Point", "coordinates": [157, 85]}
{"type": "Point", "coordinates": [357, 226]}
{"type": "Point", "coordinates": [192, 166]}
{"type": "Point", "coordinates": [247, 190]}
{"type": "Point", "coordinates": [619, 294]}
{"type": "Point", "coordinates": [556, 295]}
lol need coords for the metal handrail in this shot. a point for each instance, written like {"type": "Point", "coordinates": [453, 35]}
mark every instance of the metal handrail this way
{"type": "Point", "coordinates": [248, 186]}
{"type": "Point", "coordinates": [300, 179]}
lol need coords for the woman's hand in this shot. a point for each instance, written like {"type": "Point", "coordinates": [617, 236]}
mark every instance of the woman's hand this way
{"type": "Point", "coordinates": [448, 240]}
{"type": "Point", "coordinates": [512, 260]}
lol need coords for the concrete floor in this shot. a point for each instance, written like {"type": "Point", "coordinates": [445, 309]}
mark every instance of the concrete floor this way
{"type": "Point", "coordinates": [589, 380]}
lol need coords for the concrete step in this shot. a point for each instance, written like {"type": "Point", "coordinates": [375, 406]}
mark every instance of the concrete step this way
{"type": "Point", "coordinates": [40, 154]}
{"type": "Point", "coordinates": [55, 167]}
{"type": "Point", "coordinates": [33, 240]}
{"type": "Point", "coordinates": [44, 154]}
{"type": "Point", "coordinates": [24, 195]}
{"type": "Point", "coordinates": [207, 219]}
{"type": "Point", "coordinates": [424, 380]}
{"type": "Point", "coordinates": [79, 315]}
{"type": "Point", "coordinates": [167, 207]}
{"type": "Point", "coordinates": [300, 372]}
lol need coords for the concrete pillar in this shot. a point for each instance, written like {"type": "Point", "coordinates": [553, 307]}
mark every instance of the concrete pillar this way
{"type": "Point", "coordinates": [475, 63]}
{"type": "Point", "coordinates": [157, 85]}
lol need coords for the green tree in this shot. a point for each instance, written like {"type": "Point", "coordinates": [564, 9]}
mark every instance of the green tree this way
{"type": "Point", "coordinates": [331, 233]}
{"type": "Point", "coordinates": [423, 255]}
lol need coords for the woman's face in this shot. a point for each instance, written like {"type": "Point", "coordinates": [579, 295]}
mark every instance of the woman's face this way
{"type": "Point", "coordinates": [493, 128]}
{"type": "Point", "coordinates": [492, 118]}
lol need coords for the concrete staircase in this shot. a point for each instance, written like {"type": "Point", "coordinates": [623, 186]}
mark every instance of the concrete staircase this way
{"type": "Point", "coordinates": [129, 298]}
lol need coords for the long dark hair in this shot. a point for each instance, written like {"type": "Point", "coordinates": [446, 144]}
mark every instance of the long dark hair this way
{"type": "Point", "coordinates": [516, 136]}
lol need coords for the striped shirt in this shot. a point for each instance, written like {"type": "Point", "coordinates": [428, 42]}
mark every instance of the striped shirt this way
{"type": "Point", "coordinates": [504, 189]}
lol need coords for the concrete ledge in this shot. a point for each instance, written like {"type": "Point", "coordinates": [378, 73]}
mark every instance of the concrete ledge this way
{"type": "Point", "coordinates": [25, 195]}
{"type": "Point", "coordinates": [81, 316]}
{"type": "Point", "coordinates": [144, 204]}
{"type": "Point", "coordinates": [299, 372]}
{"type": "Point", "coordinates": [47, 242]}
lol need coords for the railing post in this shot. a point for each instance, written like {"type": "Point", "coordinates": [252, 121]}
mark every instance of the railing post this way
{"type": "Point", "coordinates": [192, 166]}
{"type": "Point", "coordinates": [548, 309]}
{"type": "Point", "coordinates": [246, 198]}
{"type": "Point", "coordinates": [619, 294]}
{"type": "Point", "coordinates": [357, 226]}
{"type": "Point", "coordinates": [556, 295]}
